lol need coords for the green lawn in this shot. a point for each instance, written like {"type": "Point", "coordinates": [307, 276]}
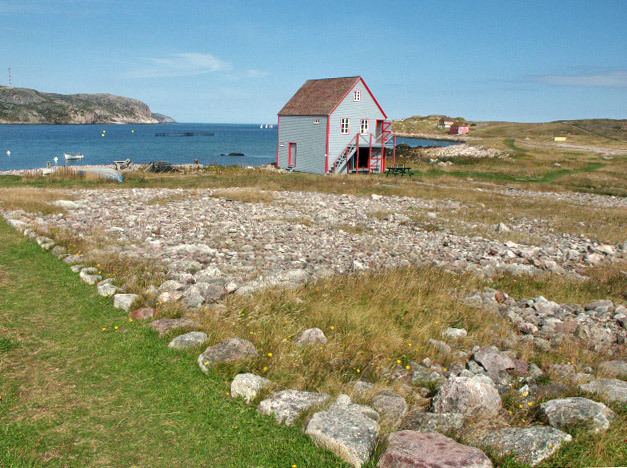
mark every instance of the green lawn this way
{"type": "Point", "coordinates": [75, 395]}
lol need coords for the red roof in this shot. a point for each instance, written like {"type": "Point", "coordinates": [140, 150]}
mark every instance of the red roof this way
{"type": "Point", "coordinates": [321, 97]}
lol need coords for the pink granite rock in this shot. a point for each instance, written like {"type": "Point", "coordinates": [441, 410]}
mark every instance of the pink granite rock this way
{"type": "Point", "coordinates": [408, 449]}
{"type": "Point", "coordinates": [144, 313]}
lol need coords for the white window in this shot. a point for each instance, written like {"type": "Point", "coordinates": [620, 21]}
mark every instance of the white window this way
{"type": "Point", "coordinates": [363, 126]}
{"type": "Point", "coordinates": [344, 124]}
{"type": "Point", "coordinates": [357, 95]}
{"type": "Point", "coordinates": [316, 122]}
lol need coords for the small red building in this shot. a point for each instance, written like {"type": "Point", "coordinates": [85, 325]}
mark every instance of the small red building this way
{"type": "Point", "coordinates": [459, 128]}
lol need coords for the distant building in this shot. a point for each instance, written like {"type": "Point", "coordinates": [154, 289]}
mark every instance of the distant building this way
{"type": "Point", "coordinates": [459, 128]}
{"type": "Point", "coordinates": [334, 125]}
{"type": "Point", "coordinates": [559, 139]}
{"type": "Point", "coordinates": [445, 123]}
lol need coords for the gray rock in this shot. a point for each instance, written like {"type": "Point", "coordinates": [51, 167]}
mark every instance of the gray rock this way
{"type": "Point", "coordinates": [125, 301]}
{"type": "Point", "coordinates": [107, 289]}
{"type": "Point", "coordinates": [89, 276]}
{"type": "Point", "coordinates": [66, 204]}
{"type": "Point", "coordinates": [312, 336]}
{"type": "Point", "coordinates": [188, 340]}
{"type": "Point", "coordinates": [566, 412]}
{"type": "Point", "coordinates": [432, 422]}
{"type": "Point", "coordinates": [192, 297]}
{"type": "Point", "coordinates": [494, 362]}
{"type": "Point", "coordinates": [171, 285]}
{"type": "Point", "coordinates": [233, 349]}
{"type": "Point", "coordinates": [502, 227]}
{"type": "Point", "coordinates": [454, 333]}
{"type": "Point", "coordinates": [610, 389]}
{"type": "Point", "coordinates": [391, 406]}
{"type": "Point", "coordinates": [471, 396]}
{"type": "Point", "coordinates": [345, 431]}
{"type": "Point", "coordinates": [613, 369]}
{"type": "Point", "coordinates": [287, 405]}
{"type": "Point", "coordinates": [248, 386]}
{"type": "Point", "coordinates": [430, 449]}
{"type": "Point", "coordinates": [530, 445]}
{"type": "Point", "coordinates": [166, 325]}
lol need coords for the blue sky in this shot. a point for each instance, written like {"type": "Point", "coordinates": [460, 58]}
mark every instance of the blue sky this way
{"type": "Point", "coordinates": [239, 61]}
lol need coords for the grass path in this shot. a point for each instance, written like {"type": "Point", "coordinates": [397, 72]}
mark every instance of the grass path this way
{"type": "Point", "coordinates": [75, 395]}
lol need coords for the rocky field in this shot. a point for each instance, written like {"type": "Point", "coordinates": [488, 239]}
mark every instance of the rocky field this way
{"type": "Point", "coordinates": [260, 276]}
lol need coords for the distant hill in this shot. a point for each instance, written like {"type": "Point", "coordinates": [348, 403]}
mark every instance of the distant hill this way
{"type": "Point", "coordinates": [603, 128]}
{"type": "Point", "coordinates": [29, 106]}
{"type": "Point", "coordinates": [611, 129]}
{"type": "Point", "coordinates": [423, 125]}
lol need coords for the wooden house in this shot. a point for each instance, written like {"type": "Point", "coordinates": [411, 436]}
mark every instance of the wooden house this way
{"type": "Point", "coordinates": [334, 125]}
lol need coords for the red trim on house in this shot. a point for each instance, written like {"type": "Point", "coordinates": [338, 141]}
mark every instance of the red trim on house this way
{"type": "Point", "coordinates": [278, 139]}
{"type": "Point", "coordinates": [373, 97]}
{"type": "Point", "coordinates": [326, 162]}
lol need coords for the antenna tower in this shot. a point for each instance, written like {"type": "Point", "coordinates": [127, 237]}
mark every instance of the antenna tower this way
{"type": "Point", "coordinates": [10, 78]}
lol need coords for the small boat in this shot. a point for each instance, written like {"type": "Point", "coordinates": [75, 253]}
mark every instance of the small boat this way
{"type": "Point", "coordinates": [73, 156]}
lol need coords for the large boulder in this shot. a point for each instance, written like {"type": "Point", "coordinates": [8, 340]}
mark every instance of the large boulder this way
{"type": "Point", "coordinates": [248, 386]}
{"type": "Point", "coordinates": [166, 325]}
{"type": "Point", "coordinates": [610, 389]}
{"type": "Point", "coordinates": [188, 340]}
{"type": "Point", "coordinates": [471, 396]}
{"type": "Point", "coordinates": [430, 449]}
{"type": "Point", "coordinates": [346, 430]}
{"type": "Point", "coordinates": [287, 405]}
{"type": "Point", "coordinates": [233, 349]}
{"type": "Point", "coordinates": [432, 422]}
{"type": "Point", "coordinates": [529, 445]}
{"type": "Point", "coordinates": [567, 412]}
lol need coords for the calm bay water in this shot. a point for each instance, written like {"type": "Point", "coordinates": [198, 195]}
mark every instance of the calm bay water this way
{"type": "Point", "coordinates": [33, 146]}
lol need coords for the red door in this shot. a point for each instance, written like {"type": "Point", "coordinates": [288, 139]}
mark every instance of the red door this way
{"type": "Point", "coordinates": [291, 154]}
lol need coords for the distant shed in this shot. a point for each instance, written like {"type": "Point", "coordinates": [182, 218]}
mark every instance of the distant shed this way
{"type": "Point", "coordinates": [459, 128]}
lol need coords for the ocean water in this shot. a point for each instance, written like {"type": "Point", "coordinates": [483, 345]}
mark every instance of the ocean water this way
{"type": "Point", "coordinates": [33, 146]}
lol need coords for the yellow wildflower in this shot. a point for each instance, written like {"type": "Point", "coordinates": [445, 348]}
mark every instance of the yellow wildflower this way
{"type": "Point", "coordinates": [265, 368]}
{"type": "Point", "coordinates": [398, 361]}
{"type": "Point", "coordinates": [530, 404]}
{"type": "Point", "coordinates": [269, 354]}
{"type": "Point", "coordinates": [357, 370]}
{"type": "Point", "coordinates": [408, 367]}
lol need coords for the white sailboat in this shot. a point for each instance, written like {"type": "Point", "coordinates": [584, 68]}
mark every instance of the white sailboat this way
{"type": "Point", "coordinates": [73, 156]}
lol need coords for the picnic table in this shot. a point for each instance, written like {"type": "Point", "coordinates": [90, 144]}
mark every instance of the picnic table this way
{"type": "Point", "coordinates": [400, 170]}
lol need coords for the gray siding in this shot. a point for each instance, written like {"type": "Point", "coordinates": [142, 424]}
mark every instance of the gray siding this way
{"type": "Point", "coordinates": [310, 139]}
{"type": "Point", "coordinates": [366, 108]}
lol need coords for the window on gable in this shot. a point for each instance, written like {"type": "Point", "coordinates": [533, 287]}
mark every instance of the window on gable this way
{"type": "Point", "coordinates": [357, 95]}
{"type": "Point", "coordinates": [344, 124]}
{"type": "Point", "coordinates": [363, 126]}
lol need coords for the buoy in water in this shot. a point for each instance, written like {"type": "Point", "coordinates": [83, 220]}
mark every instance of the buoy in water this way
{"type": "Point", "coordinates": [8, 152]}
{"type": "Point", "coordinates": [132, 130]}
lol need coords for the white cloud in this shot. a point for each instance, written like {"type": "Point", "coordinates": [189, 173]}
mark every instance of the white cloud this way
{"type": "Point", "coordinates": [254, 73]}
{"type": "Point", "coordinates": [183, 64]}
{"type": "Point", "coordinates": [612, 79]}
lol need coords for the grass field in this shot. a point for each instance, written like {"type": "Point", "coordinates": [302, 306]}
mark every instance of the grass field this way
{"type": "Point", "coordinates": [82, 386]}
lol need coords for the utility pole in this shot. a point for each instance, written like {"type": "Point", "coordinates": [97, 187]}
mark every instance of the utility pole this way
{"type": "Point", "coordinates": [10, 78]}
